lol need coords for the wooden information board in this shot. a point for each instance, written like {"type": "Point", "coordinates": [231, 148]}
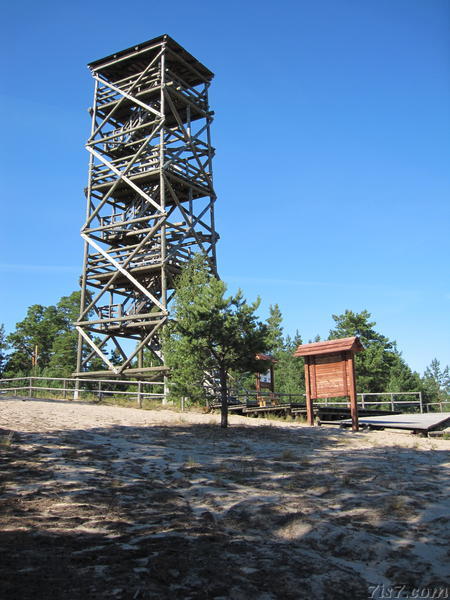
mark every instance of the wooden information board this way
{"type": "Point", "coordinates": [330, 373]}
{"type": "Point", "coordinates": [265, 381]}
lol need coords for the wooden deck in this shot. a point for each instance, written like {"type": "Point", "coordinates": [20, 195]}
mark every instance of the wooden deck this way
{"type": "Point", "coordinates": [332, 413]}
{"type": "Point", "coordinates": [419, 423]}
{"type": "Point", "coordinates": [325, 414]}
{"type": "Point", "coordinates": [287, 409]}
{"type": "Point", "coordinates": [252, 410]}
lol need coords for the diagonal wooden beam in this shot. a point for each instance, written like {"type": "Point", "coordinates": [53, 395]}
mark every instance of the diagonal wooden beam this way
{"type": "Point", "coordinates": [96, 349]}
{"type": "Point", "coordinates": [124, 272]}
{"type": "Point", "coordinates": [125, 264]}
{"type": "Point", "coordinates": [116, 183]}
{"type": "Point", "coordinates": [91, 354]}
{"type": "Point", "coordinates": [142, 344]}
{"type": "Point", "coordinates": [104, 81]}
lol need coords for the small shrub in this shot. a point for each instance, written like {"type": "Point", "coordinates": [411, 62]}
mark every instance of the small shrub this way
{"type": "Point", "coordinates": [7, 439]}
{"type": "Point", "coordinates": [287, 455]}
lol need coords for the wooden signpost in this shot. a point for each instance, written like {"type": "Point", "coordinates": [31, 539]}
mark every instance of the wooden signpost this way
{"type": "Point", "coordinates": [265, 381]}
{"type": "Point", "coordinates": [330, 373]}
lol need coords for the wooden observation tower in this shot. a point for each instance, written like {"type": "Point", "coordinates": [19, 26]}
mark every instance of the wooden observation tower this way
{"type": "Point", "coordinates": [150, 202]}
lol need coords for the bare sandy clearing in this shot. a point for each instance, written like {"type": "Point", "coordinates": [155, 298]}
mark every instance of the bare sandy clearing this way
{"type": "Point", "coordinates": [112, 502]}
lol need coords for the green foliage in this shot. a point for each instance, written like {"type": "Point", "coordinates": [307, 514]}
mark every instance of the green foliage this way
{"type": "Point", "coordinates": [95, 363]}
{"type": "Point", "coordinates": [289, 370]}
{"type": "Point", "coordinates": [436, 383]}
{"type": "Point", "coordinates": [68, 309]}
{"type": "Point", "coordinates": [380, 367]}
{"type": "Point", "coordinates": [116, 358]}
{"type": "Point", "coordinates": [50, 330]}
{"type": "Point", "coordinates": [274, 339]}
{"type": "Point", "coordinates": [63, 357]}
{"type": "Point", "coordinates": [3, 348]}
{"type": "Point", "coordinates": [211, 334]}
{"type": "Point", "coordinates": [187, 377]}
{"type": "Point", "coordinates": [317, 338]}
{"type": "Point", "coordinates": [350, 324]}
{"type": "Point", "coordinates": [402, 378]}
{"type": "Point", "coordinates": [289, 373]}
{"type": "Point", "coordinates": [39, 329]}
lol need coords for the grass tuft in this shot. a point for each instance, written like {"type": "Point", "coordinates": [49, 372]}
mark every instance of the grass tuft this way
{"type": "Point", "coordinates": [287, 455]}
{"type": "Point", "coordinates": [6, 440]}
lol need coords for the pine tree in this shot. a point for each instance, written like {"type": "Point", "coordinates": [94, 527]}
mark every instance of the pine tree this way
{"type": "Point", "coordinates": [274, 330]}
{"type": "Point", "coordinates": [49, 333]}
{"type": "Point", "coordinates": [375, 367]}
{"type": "Point", "coordinates": [289, 370]}
{"type": "Point", "coordinates": [63, 359]}
{"type": "Point", "coordinates": [3, 348]}
{"type": "Point", "coordinates": [34, 335]}
{"type": "Point", "coordinates": [402, 378]}
{"type": "Point", "coordinates": [211, 333]}
{"type": "Point", "coordinates": [436, 382]}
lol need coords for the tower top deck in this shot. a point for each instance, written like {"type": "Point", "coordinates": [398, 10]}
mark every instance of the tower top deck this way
{"type": "Point", "coordinates": [134, 59]}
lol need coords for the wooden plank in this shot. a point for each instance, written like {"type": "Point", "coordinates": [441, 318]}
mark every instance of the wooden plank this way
{"type": "Point", "coordinates": [332, 380]}
{"type": "Point", "coordinates": [312, 368]}
{"type": "Point", "coordinates": [333, 369]}
{"type": "Point", "coordinates": [329, 392]}
{"type": "Point", "coordinates": [408, 421]}
{"type": "Point", "coordinates": [309, 375]}
{"type": "Point", "coordinates": [350, 366]}
{"type": "Point", "coordinates": [346, 384]}
{"type": "Point", "coordinates": [328, 359]}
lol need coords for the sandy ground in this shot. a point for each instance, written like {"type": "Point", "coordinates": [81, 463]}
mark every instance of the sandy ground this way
{"type": "Point", "coordinates": [107, 502]}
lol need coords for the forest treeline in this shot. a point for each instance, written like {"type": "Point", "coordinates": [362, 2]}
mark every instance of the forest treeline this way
{"type": "Point", "coordinates": [45, 342]}
{"type": "Point", "coordinates": [47, 334]}
{"type": "Point", "coordinates": [379, 368]}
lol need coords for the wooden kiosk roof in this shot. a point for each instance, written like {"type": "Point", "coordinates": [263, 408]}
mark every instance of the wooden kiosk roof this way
{"type": "Point", "coordinates": [267, 357]}
{"type": "Point", "coordinates": [330, 346]}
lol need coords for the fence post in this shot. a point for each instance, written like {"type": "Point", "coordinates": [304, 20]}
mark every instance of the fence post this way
{"type": "Point", "coordinates": [140, 394]}
{"type": "Point", "coordinates": [362, 400]}
{"type": "Point", "coordinates": [392, 402]}
{"type": "Point", "coordinates": [64, 388]}
{"type": "Point", "coordinates": [30, 387]}
{"type": "Point", "coordinates": [165, 390]}
{"type": "Point", "coordinates": [76, 390]}
{"type": "Point", "coordinates": [99, 393]}
{"type": "Point", "coordinates": [421, 402]}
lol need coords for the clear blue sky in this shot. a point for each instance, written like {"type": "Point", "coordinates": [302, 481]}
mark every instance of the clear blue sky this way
{"type": "Point", "coordinates": [332, 167]}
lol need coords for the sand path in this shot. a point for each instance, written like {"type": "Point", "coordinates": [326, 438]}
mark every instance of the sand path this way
{"type": "Point", "coordinates": [114, 502]}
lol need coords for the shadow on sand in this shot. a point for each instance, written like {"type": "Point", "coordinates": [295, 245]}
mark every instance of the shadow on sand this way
{"type": "Point", "coordinates": [193, 511]}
